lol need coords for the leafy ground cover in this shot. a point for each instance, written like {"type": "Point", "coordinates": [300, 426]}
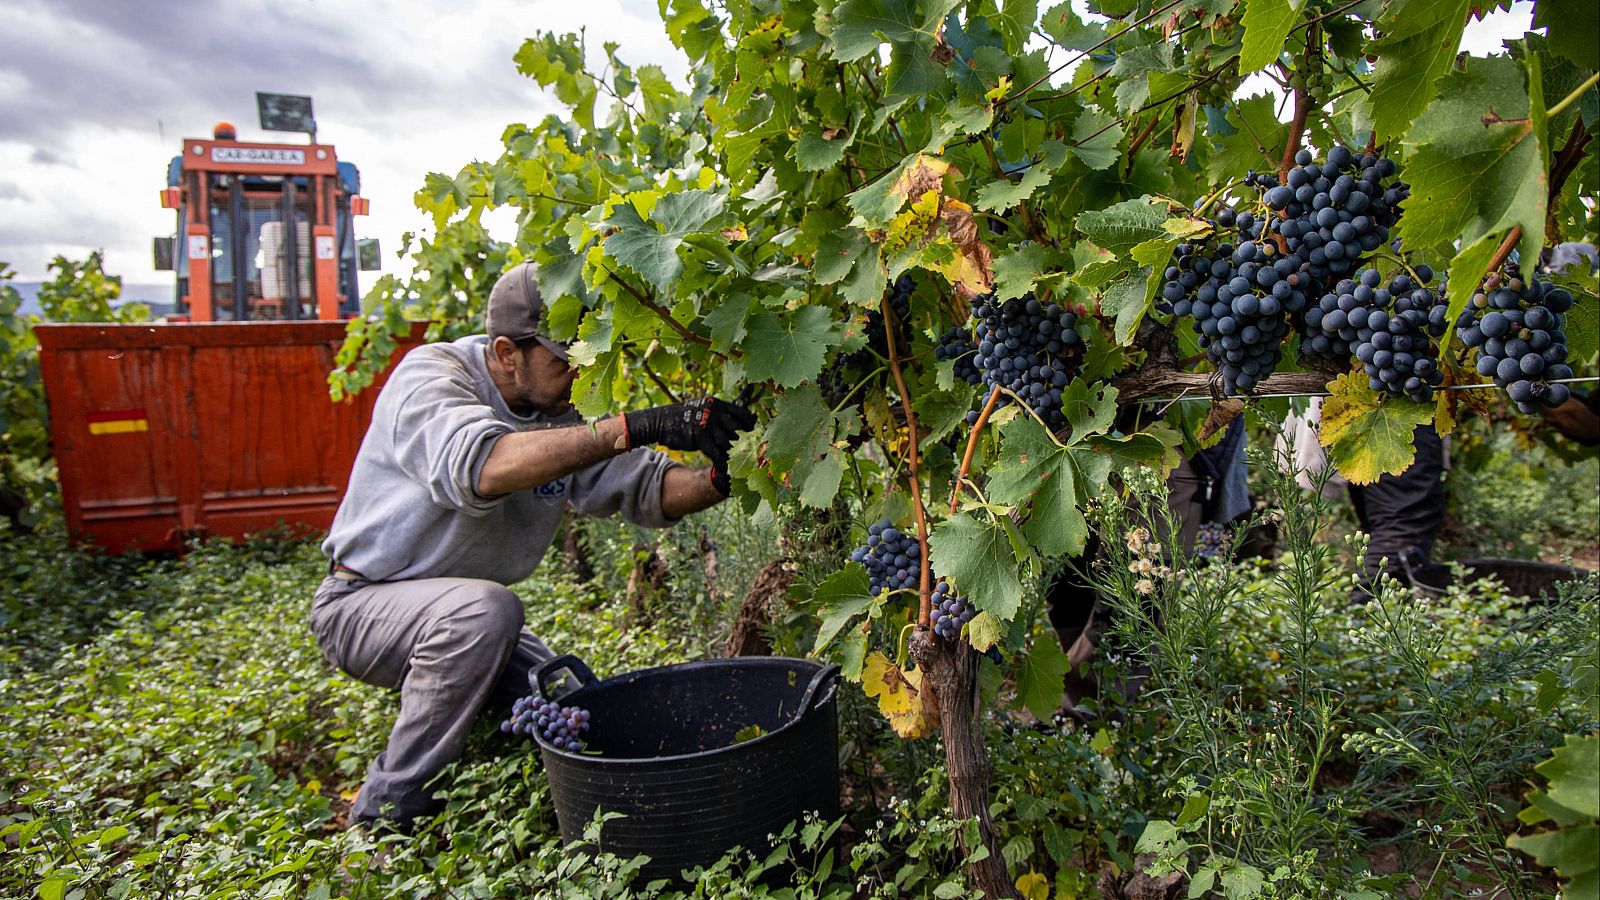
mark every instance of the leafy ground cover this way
{"type": "Point", "coordinates": [168, 728]}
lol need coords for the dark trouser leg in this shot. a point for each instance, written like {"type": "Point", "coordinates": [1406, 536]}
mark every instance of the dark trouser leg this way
{"type": "Point", "coordinates": [1402, 513]}
{"type": "Point", "coordinates": [445, 643]}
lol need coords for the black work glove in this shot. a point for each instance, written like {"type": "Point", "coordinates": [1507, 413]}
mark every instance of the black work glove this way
{"type": "Point", "coordinates": [708, 425]}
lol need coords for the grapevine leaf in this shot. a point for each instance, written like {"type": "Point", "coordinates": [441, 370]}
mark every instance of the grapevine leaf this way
{"type": "Point", "coordinates": [1583, 325]}
{"type": "Point", "coordinates": [789, 350]}
{"type": "Point", "coordinates": [1155, 446]}
{"type": "Point", "coordinates": [1065, 28]}
{"type": "Point", "coordinates": [837, 253]}
{"type": "Point", "coordinates": [822, 482]}
{"type": "Point", "coordinates": [1419, 43]}
{"type": "Point", "coordinates": [859, 26]}
{"type": "Point", "coordinates": [1002, 195]}
{"type": "Point", "coordinates": [814, 152]}
{"type": "Point", "coordinates": [940, 412]}
{"type": "Point", "coordinates": [978, 557]}
{"type": "Point", "coordinates": [1368, 436]}
{"type": "Point", "coordinates": [1093, 142]}
{"type": "Point", "coordinates": [1572, 802]}
{"type": "Point", "coordinates": [1118, 229]}
{"type": "Point", "coordinates": [595, 390]}
{"type": "Point", "coordinates": [1255, 144]}
{"type": "Point", "coordinates": [1089, 409]}
{"type": "Point", "coordinates": [802, 429]}
{"type": "Point", "coordinates": [959, 119]}
{"type": "Point", "coordinates": [1101, 272]}
{"type": "Point", "coordinates": [1241, 881]}
{"type": "Point", "coordinates": [727, 323]}
{"type": "Point", "coordinates": [1127, 300]}
{"type": "Point", "coordinates": [842, 596]}
{"type": "Point", "coordinates": [851, 655]}
{"type": "Point", "coordinates": [1570, 25]}
{"type": "Point", "coordinates": [1570, 851]}
{"type": "Point", "coordinates": [1574, 775]}
{"type": "Point", "coordinates": [1036, 474]}
{"type": "Point", "coordinates": [1015, 273]}
{"type": "Point", "coordinates": [912, 72]}
{"type": "Point", "coordinates": [1015, 22]}
{"type": "Point", "coordinates": [1043, 676]}
{"type": "Point", "coordinates": [867, 280]}
{"type": "Point", "coordinates": [653, 253]}
{"type": "Point", "coordinates": [1469, 179]}
{"type": "Point", "coordinates": [1132, 67]}
{"type": "Point", "coordinates": [1266, 24]}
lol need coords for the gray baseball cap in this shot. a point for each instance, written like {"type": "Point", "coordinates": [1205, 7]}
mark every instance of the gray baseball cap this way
{"type": "Point", "coordinates": [514, 308]}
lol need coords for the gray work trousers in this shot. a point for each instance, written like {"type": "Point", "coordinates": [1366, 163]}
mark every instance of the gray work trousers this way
{"type": "Point", "coordinates": [451, 646]}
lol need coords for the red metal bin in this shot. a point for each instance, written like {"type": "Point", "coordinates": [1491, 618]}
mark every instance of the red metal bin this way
{"type": "Point", "coordinates": [164, 432]}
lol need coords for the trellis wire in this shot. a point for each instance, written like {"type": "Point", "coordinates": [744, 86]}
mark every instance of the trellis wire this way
{"type": "Point", "coordinates": [1588, 379]}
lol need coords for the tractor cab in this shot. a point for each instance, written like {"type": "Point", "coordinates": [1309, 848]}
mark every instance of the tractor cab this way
{"type": "Point", "coordinates": [265, 231]}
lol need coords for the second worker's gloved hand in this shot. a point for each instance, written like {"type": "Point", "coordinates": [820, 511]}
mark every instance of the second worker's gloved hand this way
{"type": "Point", "coordinates": [708, 425]}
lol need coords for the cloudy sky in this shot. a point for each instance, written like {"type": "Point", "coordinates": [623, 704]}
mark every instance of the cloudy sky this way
{"type": "Point", "coordinates": [95, 96]}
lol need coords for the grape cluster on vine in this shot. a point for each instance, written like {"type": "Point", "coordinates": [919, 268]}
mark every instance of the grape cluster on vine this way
{"type": "Point", "coordinates": [562, 727]}
{"type": "Point", "coordinates": [893, 559]}
{"type": "Point", "coordinates": [1239, 298]}
{"type": "Point", "coordinates": [1029, 348]}
{"type": "Point", "coordinates": [1518, 327]}
{"type": "Point", "coordinates": [1394, 331]}
{"type": "Point", "coordinates": [1305, 234]}
{"type": "Point", "coordinates": [951, 611]}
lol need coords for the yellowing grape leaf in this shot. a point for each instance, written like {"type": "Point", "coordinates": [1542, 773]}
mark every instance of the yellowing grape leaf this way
{"type": "Point", "coordinates": [971, 272]}
{"type": "Point", "coordinates": [877, 203]}
{"type": "Point", "coordinates": [1366, 435]}
{"type": "Point", "coordinates": [910, 709]}
{"type": "Point", "coordinates": [984, 631]}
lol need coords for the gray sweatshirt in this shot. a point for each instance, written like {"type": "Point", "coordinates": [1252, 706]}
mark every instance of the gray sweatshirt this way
{"type": "Point", "coordinates": [412, 509]}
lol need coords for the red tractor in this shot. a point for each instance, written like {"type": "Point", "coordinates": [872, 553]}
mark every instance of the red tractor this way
{"type": "Point", "coordinates": [264, 230]}
{"type": "Point", "coordinates": [217, 422]}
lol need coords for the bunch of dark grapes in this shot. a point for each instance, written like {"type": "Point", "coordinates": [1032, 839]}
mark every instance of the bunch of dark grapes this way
{"type": "Point", "coordinates": [893, 559]}
{"type": "Point", "coordinates": [846, 371]}
{"type": "Point", "coordinates": [1312, 230]}
{"type": "Point", "coordinates": [956, 344]}
{"type": "Point", "coordinates": [562, 727]}
{"type": "Point", "coordinates": [1518, 327]}
{"type": "Point", "coordinates": [1394, 331]}
{"type": "Point", "coordinates": [1240, 298]}
{"type": "Point", "coordinates": [1029, 348]}
{"type": "Point", "coordinates": [1330, 214]}
{"type": "Point", "coordinates": [950, 611]}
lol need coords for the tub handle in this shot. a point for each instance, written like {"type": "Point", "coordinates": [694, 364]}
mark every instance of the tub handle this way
{"type": "Point", "coordinates": [539, 679]}
{"type": "Point", "coordinates": [817, 688]}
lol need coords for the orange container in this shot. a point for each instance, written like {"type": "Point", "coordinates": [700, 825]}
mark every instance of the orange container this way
{"type": "Point", "coordinates": [168, 432]}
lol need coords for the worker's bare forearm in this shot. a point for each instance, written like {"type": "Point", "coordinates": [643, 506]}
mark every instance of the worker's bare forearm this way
{"type": "Point", "coordinates": [685, 491]}
{"type": "Point", "coordinates": [528, 459]}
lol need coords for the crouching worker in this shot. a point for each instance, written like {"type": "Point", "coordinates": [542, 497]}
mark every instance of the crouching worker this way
{"type": "Point", "coordinates": [473, 456]}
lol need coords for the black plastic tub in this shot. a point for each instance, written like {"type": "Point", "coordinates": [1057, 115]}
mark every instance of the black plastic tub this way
{"type": "Point", "coordinates": [1521, 577]}
{"type": "Point", "coordinates": [662, 749]}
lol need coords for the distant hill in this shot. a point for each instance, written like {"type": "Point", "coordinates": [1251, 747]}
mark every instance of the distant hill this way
{"type": "Point", "coordinates": [159, 297]}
